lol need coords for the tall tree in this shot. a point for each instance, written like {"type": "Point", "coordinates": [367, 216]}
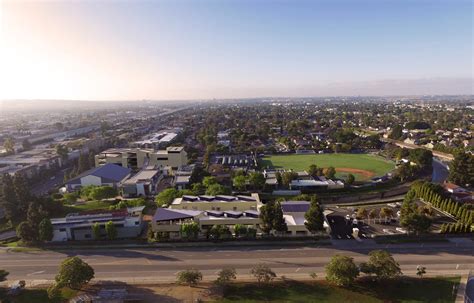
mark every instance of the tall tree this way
{"type": "Point", "coordinates": [96, 231]}
{"type": "Point", "coordinates": [62, 151]}
{"type": "Point", "coordinates": [9, 145]}
{"type": "Point", "coordinates": [239, 182]}
{"type": "Point", "coordinates": [314, 217]}
{"type": "Point", "coordinates": [313, 170]}
{"type": "Point", "coordinates": [111, 230]}
{"type": "Point", "coordinates": [8, 199]}
{"type": "Point", "coordinates": [22, 192]}
{"type": "Point", "coordinates": [330, 172]}
{"type": "Point", "coordinates": [267, 214]}
{"type": "Point", "coordinates": [257, 180]}
{"type": "Point", "coordinates": [45, 230]}
{"type": "Point", "coordinates": [279, 223]}
{"type": "Point", "coordinates": [461, 169]}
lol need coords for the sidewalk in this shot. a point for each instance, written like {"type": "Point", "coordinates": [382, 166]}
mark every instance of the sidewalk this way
{"type": "Point", "coordinates": [461, 289]}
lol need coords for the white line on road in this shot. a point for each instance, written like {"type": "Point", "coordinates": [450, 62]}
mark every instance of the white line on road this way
{"type": "Point", "coordinates": [457, 266]}
{"type": "Point", "coordinates": [298, 269]}
{"type": "Point", "coordinates": [36, 273]}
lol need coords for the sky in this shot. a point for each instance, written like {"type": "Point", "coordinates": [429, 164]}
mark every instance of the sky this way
{"type": "Point", "coordinates": [165, 50]}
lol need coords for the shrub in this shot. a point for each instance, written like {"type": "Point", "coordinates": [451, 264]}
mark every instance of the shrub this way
{"type": "Point", "coordinates": [189, 276]}
{"type": "Point", "coordinates": [263, 273]}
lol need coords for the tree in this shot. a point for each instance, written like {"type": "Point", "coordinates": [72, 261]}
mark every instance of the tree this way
{"type": "Point", "coordinates": [263, 273]}
{"type": "Point", "coordinates": [198, 189]}
{"type": "Point", "coordinates": [217, 189]}
{"type": "Point", "coordinates": [420, 271]}
{"type": "Point", "coordinates": [313, 170]}
{"type": "Point", "coordinates": [226, 275]}
{"type": "Point", "coordinates": [396, 133]}
{"type": "Point", "coordinates": [62, 151]}
{"type": "Point", "coordinates": [386, 212]}
{"type": "Point", "coordinates": [372, 214]}
{"type": "Point", "coordinates": [23, 195]}
{"type": "Point", "coordinates": [362, 213]}
{"type": "Point", "coordinates": [279, 223]}
{"type": "Point", "coordinates": [8, 199]}
{"type": "Point", "coordinates": [74, 273]}
{"type": "Point", "coordinates": [240, 230]}
{"type": "Point", "coordinates": [219, 231]}
{"type": "Point", "coordinates": [314, 217]}
{"type": "Point", "coordinates": [3, 275]}
{"type": "Point", "coordinates": [53, 291]}
{"type": "Point", "coordinates": [350, 179]}
{"type": "Point", "coordinates": [381, 264]}
{"type": "Point", "coordinates": [70, 197]}
{"type": "Point", "coordinates": [208, 181]}
{"type": "Point", "coordinates": [96, 231]}
{"type": "Point", "coordinates": [422, 157]}
{"type": "Point", "coordinates": [287, 177]}
{"type": "Point", "coordinates": [330, 172]}
{"type": "Point", "coordinates": [110, 230]}
{"type": "Point", "coordinates": [341, 270]}
{"type": "Point", "coordinates": [189, 276]}
{"type": "Point", "coordinates": [26, 145]}
{"type": "Point", "coordinates": [83, 163]}
{"type": "Point", "coordinates": [267, 215]}
{"type": "Point", "coordinates": [102, 192]}
{"type": "Point", "coordinates": [189, 230]}
{"type": "Point", "coordinates": [239, 182]}
{"type": "Point", "coordinates": [461, 169]}
{"type": "Point", "coordinates": [45, 230]}
{"type": "Point", "coordinates": [257, 180]}
{"type": "Point", "coordinates": [9, 145]}
{"type": "Point", "coordinates": [165, 197]}
{"type": "Point", "coordinates": [26, 232]}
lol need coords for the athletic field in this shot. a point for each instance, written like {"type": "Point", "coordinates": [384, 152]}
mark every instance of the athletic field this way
{"type": "Point", "coordinates": [362, 166]}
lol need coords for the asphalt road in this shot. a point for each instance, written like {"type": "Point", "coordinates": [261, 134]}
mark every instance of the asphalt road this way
{"type": "Point", "coordinates": [162, 265]}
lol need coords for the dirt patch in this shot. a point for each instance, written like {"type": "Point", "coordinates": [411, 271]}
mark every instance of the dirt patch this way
{"type": "Point", "coordinates": [172, 293]}
{"type": "Point", "coordinates": [364, 173]}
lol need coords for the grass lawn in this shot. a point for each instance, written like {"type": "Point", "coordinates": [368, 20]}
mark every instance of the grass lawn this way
{"type": "Point", "coordinates": [41, 296]}
{"type": "Point", "coordinates": [407, 290]}
{"type": "Point", "coordinates": [87, 206]}
{"type": "Point", "coordinates": [371, 164]}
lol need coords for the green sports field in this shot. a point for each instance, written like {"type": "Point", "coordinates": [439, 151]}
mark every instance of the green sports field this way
{"type": "Point", "coordinates": [362, 166]}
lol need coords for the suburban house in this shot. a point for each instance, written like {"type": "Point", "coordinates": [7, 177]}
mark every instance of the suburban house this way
{"type": "Point", "coordinates": [136, 158]}
{"type": "Point", "coordinates": [107, 175]}
{"type": "Point", "coordinates": [294, 212]}
{"type": "Point", "coordinates": [75, 227]}
{"type": "Point", "coordinates": [142, 184]}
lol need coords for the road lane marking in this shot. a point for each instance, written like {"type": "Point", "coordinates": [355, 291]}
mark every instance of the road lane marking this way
{"type": "Point", "coordinates": [298, 269]}
{"type": "Point", "coordinates": [457, 266]}
{"type": "Point", "coordinates": [36, 273]}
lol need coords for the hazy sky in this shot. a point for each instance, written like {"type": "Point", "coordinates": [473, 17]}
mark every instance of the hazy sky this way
{"type": "Point", "coordinates": [110, 50]}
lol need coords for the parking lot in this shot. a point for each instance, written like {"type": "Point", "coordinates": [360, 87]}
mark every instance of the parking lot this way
{"type": "Point", "coordinates": [374, 220]}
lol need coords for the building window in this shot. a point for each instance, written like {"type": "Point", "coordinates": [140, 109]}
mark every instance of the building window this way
{"type": "Point", "coordinates": [62, 229]}
{"type": "Point", "coordinates": [87, 236]}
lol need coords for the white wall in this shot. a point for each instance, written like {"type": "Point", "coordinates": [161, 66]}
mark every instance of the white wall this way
{"type": "Point", "coordinates": [90, 180]}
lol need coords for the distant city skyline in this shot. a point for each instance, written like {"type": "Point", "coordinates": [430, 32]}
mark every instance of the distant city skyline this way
{"type": "Point", "coordinates": [165, 50]}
